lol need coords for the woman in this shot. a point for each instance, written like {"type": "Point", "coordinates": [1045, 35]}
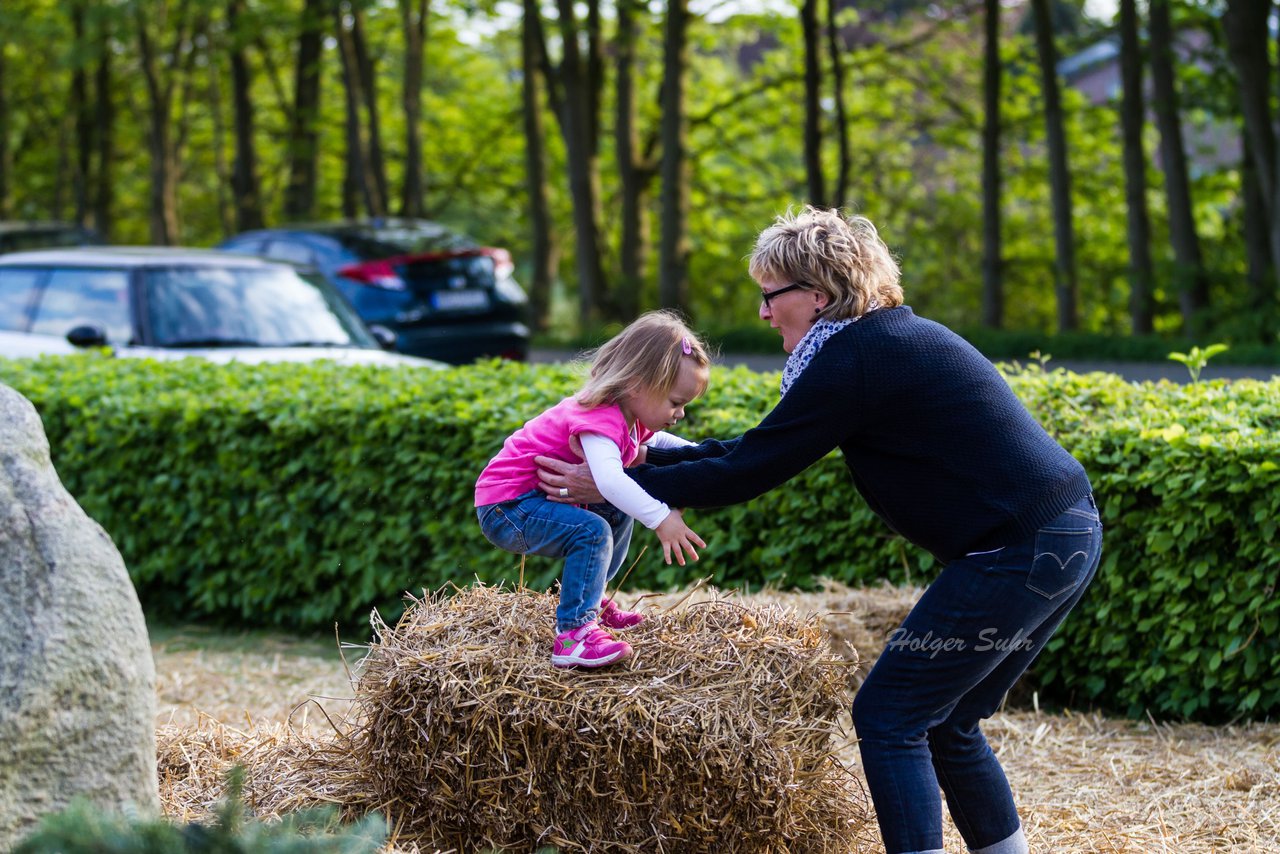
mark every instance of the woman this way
{"type": "Point", "coordinates": [948, 457]}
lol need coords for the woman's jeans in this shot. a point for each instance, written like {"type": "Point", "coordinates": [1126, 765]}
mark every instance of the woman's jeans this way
{"type": "Point", "coordinates": [948, 666]}
{"type": "Point", "coordinates": [593, 542]}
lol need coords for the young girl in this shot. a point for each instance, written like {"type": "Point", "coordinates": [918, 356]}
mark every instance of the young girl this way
{"type": "Point", "coordinates": [640, 382]}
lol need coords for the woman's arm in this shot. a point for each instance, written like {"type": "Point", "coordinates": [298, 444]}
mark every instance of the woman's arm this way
{"type": "Point", "coordinates": [554, 474]}
{"type": "Point", "coordinates": [806, 425]}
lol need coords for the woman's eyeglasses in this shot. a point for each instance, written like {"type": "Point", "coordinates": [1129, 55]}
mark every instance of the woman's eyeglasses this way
{"type": "Point", "coordinates": [765, 296]}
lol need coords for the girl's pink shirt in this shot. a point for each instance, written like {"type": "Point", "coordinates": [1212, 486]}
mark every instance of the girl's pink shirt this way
{"type": "Point", "coordinates": [513, 472]}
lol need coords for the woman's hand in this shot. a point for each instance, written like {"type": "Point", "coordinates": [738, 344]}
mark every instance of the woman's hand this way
{"type": "Point", "coordinates": [678, 537]}
{"type": "Point", "coordinates": [567, 483]}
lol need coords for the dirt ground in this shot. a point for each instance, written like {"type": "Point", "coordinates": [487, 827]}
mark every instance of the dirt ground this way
{"type": "Point", "coordinates": [1084, 782]}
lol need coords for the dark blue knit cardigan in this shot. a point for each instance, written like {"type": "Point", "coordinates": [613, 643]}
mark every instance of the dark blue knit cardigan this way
{"type": "Point", "coordinates": [936, 442]}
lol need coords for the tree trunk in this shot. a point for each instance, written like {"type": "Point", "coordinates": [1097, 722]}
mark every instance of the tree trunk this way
{"type": "Point", "coordinates": [550, 74]}
{"type": "Point", "coordinates": [812, 103]}
{"type": "Point", "coordinates": [413, 16]}
{"type": "Point", "coordinates": [1245, 23]}
{"type": "Point", "coordinates": [1191, 284]}
{"type": "Point", "coordinates": [673, 285]}
{"type": "Point", "coordinates": [163, 150]}
{"type": "Point", "coordinates": [79, 107]}
{"type": "Point", "coordinates": [375, 164]}
{"type": "Point", "coordinates": [992, 266]}
{"type": "Point", "coordinates": [357, 184]}
{"type": "Point", "coordinates": [583, 166]}
{"type": "Point", "coordinates": [544, 246]}
{"type": "Point", "coordinates": [1132, 119]}
{"type": "Point", "coordinates": [223, 175]}
{"type": "Point", "coordinates": [6, 153]}
{"type": "Point", "coordinates": [304, 121]}
{"type": "Point", "coordinates": [1261, 270]}
{"type": "Point", "coordinates": [244, 177]}
{"type": "Point", "coordinates": [595, 73]}
{"type": "Point", "coordinates": [105, 123]}
{"type": "Point", "coordinates": [1065, 285]}
{"type": "Point", "coordinates": [633, 171]}
{"type": "Point", "coordinates": [835, 50]}
{"type": "Point", "coordinates": [57, 207]}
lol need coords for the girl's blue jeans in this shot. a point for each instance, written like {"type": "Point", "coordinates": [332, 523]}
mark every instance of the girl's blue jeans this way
{"type": "Point", "coordinates": [593, 542]}
{"type": "Point", "coordinates": [948, 666]}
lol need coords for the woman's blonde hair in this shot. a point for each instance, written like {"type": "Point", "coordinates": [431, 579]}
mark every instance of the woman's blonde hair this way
{"type": "Point", "coordinates": [841, 257]}
{"type": "Point", "coordinates": [646, 355]}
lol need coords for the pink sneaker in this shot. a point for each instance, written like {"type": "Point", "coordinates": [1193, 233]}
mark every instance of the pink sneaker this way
{"type": "Point", "coordinates": [613, 617]}
{"type": "Point", "coordinates": [588, 646]}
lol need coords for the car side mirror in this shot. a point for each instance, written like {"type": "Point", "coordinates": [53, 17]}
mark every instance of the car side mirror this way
{"type": "Point", "coordinates": [88, 336]}
{"type": "Point", "coordinates": [385, 337]}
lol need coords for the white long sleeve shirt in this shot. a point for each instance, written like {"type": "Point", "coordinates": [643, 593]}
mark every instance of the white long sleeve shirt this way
{"type": "Point", "coordinates": [604, 458]}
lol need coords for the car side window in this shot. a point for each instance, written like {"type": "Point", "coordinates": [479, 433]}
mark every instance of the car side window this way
{"type": "Point", "coordinates": [17, 293]}
{"type": "Point", "coordinates": [80, 297]}
{"type": "Point", "coordinates": [290, 251]}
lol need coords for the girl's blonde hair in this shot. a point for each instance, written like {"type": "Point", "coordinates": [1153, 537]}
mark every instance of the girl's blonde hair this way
{"type": "Point", "coordinates": [646, 355]}
{"type": "Point", "coordinates": [841, 257]}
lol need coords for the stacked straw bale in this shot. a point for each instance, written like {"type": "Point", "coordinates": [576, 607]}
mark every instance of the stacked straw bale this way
{"type": "Point", "coordinates": [859, 620]}
{"type": "Point", "coordinates": [717, 735]}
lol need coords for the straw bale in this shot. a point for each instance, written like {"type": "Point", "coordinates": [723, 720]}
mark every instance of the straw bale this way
{"type": "Point", "coordinates": [717, 735]}
{"type": "Point", "coordinates": [858, 620]}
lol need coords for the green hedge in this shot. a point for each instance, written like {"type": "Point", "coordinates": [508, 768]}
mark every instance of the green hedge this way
{"type": "Point", "coordinates": [993, 343]}
{"type": "Point", "coordinates": [300, 495]}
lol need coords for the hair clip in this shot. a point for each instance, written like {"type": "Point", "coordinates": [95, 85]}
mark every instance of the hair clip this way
{"type": "Point", "coordinates": [686, 346]}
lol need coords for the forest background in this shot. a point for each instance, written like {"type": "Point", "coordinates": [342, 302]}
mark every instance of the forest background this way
{"type": "Point", "coordinates": [628, 152]}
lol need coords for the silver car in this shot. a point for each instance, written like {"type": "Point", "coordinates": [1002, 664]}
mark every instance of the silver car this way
{"type": "Point", "coordinates": [170, 303]}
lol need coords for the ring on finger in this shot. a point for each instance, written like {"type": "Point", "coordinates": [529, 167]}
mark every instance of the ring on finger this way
{"type": "Point", "coordinates": [564, 492]}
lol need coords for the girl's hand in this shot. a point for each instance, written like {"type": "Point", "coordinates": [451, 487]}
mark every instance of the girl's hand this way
{"type": "Point", "coordinates": [678, 537]}
{"type": "Point", "coordinates": [641, 455]}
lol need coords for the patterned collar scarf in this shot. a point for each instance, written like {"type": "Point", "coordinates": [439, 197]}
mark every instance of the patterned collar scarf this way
{"type": "Point", "coordinates": [812, 342]}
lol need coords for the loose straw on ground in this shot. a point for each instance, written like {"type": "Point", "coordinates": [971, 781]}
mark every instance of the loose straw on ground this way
{"type": "Point", "coordinates": [1084, 783]}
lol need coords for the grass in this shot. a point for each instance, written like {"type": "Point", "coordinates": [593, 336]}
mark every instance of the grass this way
{"type": "Point", "coordinates": [244, 676]}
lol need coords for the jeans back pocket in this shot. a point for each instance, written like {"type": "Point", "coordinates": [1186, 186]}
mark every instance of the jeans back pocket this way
{"type": "Point", "coordinates": [1062, 558]}
{"type": "Point", "coordinates": [501, 529]}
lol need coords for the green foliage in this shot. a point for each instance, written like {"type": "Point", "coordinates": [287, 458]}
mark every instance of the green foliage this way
{"type": "Point", "coordinates": [1004, 344]}
{"type": "Point", "coordinates": [1008, 344]}
{"type": "Point", "coordinates": [83, 829]}
{"type": "Point", "coordinates": [1183, 615]}
{"type": "Point", "coordinates": [300, 495]}
{"type": "Point", "coordinates": [913, 96]}
{"type": "Point", "coordinates": [1197, 358]}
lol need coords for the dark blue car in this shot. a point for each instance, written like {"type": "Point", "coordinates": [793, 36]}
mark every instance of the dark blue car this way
{"type": "Point", "coordinates": [445, 296]}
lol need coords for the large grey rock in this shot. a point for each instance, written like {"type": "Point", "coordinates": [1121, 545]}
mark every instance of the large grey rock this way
{"type": "Point", "coordinates": [77, 682]}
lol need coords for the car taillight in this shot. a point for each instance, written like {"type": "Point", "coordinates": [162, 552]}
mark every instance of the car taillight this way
{"type": "Point", "coordinates": [379, 274]}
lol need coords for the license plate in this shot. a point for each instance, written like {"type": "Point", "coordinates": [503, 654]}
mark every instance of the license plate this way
{"type": "Point", "coordinates": [454, 300]}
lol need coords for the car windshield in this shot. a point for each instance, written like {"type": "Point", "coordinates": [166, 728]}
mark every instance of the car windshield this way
{"type": "Point", "coordinates": [228, 307]}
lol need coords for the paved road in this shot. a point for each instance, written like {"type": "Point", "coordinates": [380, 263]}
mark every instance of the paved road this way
{"type": "Point", "coordinates": [1132, 371]}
